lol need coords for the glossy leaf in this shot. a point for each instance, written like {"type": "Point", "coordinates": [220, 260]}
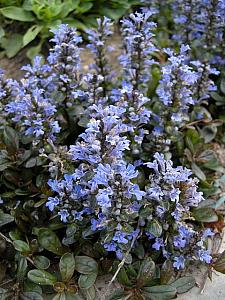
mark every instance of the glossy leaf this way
{"type": "Point", "coordinates": [31, 34]}
{"type": "Point", "coordinates": [11, 139]}
{"type": "Point", "coordinates": [42, 277]}
{"type": "Point", "coordinates": [67, 266]}
{"type": "Point", "coordinates": [166, 272]}
{"type": "Point", "coordinates": [49, 241]}
{"type": "Point", "coordinates": [17, 13]}
{"type": "Point", "coordinates": [184, 284]}
{"type": "Point", "coordinates": [87, 280]}
{"type": "Point", "coordinates": [5, 218]}
{"type": "Point", "coordinates": [198, 172]}
{"type": "Point", "coordinates": [41, 262]}
{"type": "Point", "coordinates": [85, 265]}
{"type": "Point", "coordinates": [21, 246]}
{"type": "Point", "coordinates": [146, 272]}
{"type": "Point", "coordinates": [205, 214]}
{"type": "Point", "coordinates": [31, 296]}
{"type": "Point", "coordinates": [160, 292]}
{"type": "Point", "coordinates": [219, 265]}
{"type": "Point", "coordinates": [155, 228]}
{"type": "Point", "coordinates": [88, 294]}
{"type": "Point", "coordinates": [21, 268]}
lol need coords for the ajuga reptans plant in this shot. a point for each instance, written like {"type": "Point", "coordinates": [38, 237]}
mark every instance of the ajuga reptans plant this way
{"type": "Point", "coordinates": [88, 131]}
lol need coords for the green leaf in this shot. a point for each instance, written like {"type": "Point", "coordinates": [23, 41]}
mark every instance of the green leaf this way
{"type": "Point", "coordinates": [184, 284]}
{"type": "Point", "coordinates": [146, 272]}
{"type": "Point", "coordinates": [67, 296]}
{"type": "Point", "coordinates": [118, 295]}
{"type": "Point", "coordinates": [155, 228]}
{"type": "Point", "coordinates": [67, 266]}
{"type": "Point", "coordinates": [209, 133]}
{"type": "Point", "coordinates": [83, 7]}
{"type": "Point", "coordinates": [31, 296]}
{"type": "Point", "coordinates": [5, 218]}
{"type": "Point", "coordinates": [219, 265]}
{"type": "Point", "coordinates": [88, 294]}
{"type": "Point", "coordinates": [21, 246]}
{"type": "Point", "coordinates": [85, 265]}
{"type": "Point", "coordinates": [17, 13]}
{"type": "Point", "coordinates": [67, 7]}
{"type": "Point", "coordinates": [49, 241]}
{"type": "Point", "coordinates": [160, 292]}
{"type": "Point", "coordinates": [22, 268]}
{"type": "Point", "coordinates": [41, 262]}
{"type": "Point", "coordinates": [11, 139]}
{"type": "Point", "coordinates": [220, 100]}
{"type": "Point", "coordinates": [33, 51]}
{"type": "Point", "coordinates": [13, 44]}
{"type": "Point", "coordinates": [31, 34]}
{"type": "Point", "coordinates": [42, 277]}
{"type": "Point", "coordinates": [222, 85]}
{"type": "Point", "coordinates": [192, 138]}
{"type": "Point", "coordinates": [2, 32]}
{"type": "Point", "coordinates": [123, 278]}
{"type": "Point", "coordinates": [139, 251]}
{"type": "Point", "coordinates": [87, 280]}
{"type": "Point", "coordinates": [31, 162]}
{"type": "Point", "coordinates": [30, 286]}
{"type": "Point", "coordinates": [166, 272]}
{"type": "Point", "coordinates": [113, 14]}
{"type": "Point", "coordinates": [198, 172]}
{"type": "Point", "coordinates": [205, 214]}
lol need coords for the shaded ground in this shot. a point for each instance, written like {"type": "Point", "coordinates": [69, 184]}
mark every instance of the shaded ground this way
{"type": "Point", "coordinates": [13, 65]}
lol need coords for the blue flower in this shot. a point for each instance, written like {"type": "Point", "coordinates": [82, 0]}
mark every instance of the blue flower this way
{"type": "Point", "coordinates": [179, 262]}
{"type": "Point", "coordinates": [52, 203]}
{"type": "Point", "coordinates": [204, 256]}
{"type": "Point", "coordinates": [103, 198]}
{"type": "Point", "coordinates": [179, 242]}
{"type": "Point", "coordinates": [120, 237]}
{"type": "Point", "coordinates": [110, 247]}
{"type": "Point", "coordinates": [207, 233]}
{"type": "Point", "coordinates": [159, 243]}
{"type": "Point", "coordinates": [64, 214]}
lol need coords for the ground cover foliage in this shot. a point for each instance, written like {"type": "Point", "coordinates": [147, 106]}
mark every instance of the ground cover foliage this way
{"type": "Point", "coordinates": [116, 171]}
{"type": "Point", "coordinates": [27, 23]}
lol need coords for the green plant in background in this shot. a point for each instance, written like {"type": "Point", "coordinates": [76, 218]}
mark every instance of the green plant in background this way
{"type": "Point", "coordinates": [29, 20]}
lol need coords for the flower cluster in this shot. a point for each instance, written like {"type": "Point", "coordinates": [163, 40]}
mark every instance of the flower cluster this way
{"type": "Point", "coordinates": [185, 16]}
{"type": "Point", "coordinates": [34, 113]}
{"type": "Point", "coordinates": [97, 44]}
{"type": "Point", "coordinates": [64, 59]}
{"type": "Point", "coordinates": [8, 89]}
{"type": "Point", "coordinates": [102, 141]}
{"type": "Point", "coordinates": [136, 114]}
{"type": "Point", "coordinates": [137, 32]}
{"type": "Point", "coordinates": [204, 85]}
{"type": "Point", "coordinates": [176, 94]}
{"type": "Point", "coordinates": [169, 198]}
{"type": "Point", "coordinates": [101, 188]}
{"type": "Point", "coordinates": [201, 22]}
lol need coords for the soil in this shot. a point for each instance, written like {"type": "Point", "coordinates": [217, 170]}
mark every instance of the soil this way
{"type": "Point", "coordinates": [12, 66]}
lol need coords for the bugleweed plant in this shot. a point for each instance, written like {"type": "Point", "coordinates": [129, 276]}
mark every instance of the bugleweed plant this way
{"type": "Point", "coordinates": [94, 177]}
